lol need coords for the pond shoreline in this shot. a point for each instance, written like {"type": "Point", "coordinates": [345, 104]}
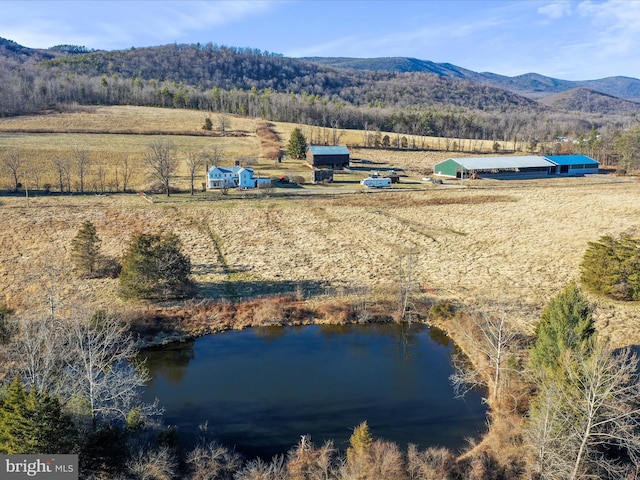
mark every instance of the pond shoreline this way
{"type": "Point", "coordinates": [337, 376]}
{"type": "Point", "coordinates": [162, 326]}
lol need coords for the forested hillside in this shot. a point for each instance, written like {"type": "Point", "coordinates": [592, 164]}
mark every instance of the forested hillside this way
{"type": "Point", "coordinates": [262, 84]}
{"type": "Point", "coordinates": [532, 85]}
{"type": "Point", "coordinates": [589, 101]}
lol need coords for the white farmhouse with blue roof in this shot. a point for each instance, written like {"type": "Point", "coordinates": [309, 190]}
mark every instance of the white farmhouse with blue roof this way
{"type": "Point", "coordinates": [236, 176]}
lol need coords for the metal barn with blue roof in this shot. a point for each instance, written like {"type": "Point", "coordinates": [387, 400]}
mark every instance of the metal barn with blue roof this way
{"type": "Point", "coordinates": [574, 164]}
{"type": "Point", "coordinates": [516, 166]}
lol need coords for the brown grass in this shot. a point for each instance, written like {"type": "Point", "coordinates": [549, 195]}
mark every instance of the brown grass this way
{"type": "Point", "coordinates": [467, 245]}
{"type": "Point", "coordinates": [517, 242]}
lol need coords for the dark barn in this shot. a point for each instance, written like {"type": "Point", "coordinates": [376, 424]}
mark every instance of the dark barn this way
{"type": "Point", "coordinates": [322, 176]}
{"type": "Point", "coordinates": [328, 157]}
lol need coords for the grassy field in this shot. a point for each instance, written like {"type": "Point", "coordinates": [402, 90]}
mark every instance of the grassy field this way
{"type": "Point", "coordinates": [514, 243]}
{"type": "Point", "coordinates": [111, 134]}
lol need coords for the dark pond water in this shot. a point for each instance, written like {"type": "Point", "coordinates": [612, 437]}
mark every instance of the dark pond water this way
{"type": "Point", "coordinates": [260, 389]}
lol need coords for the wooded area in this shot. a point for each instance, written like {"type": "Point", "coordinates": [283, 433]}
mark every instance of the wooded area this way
{"type": "Point", "coordinates": [259, 84]}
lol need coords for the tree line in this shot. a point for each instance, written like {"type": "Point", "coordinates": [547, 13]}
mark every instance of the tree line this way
{"type": "Point", "coordinates": [259, 84]}
{"type": "Point", "coordinates": [77, 170]}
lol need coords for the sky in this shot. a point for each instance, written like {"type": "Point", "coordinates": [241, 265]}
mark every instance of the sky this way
{"type": "Point", "coordinates": [567, 39]}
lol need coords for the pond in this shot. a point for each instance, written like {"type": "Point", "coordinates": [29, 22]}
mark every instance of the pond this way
{"type": "Point", "coordinates": [259, 390]}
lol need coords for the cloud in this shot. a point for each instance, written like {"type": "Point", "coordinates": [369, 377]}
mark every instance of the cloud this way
{"type": "Point", "coordinates": [614, 16]}
{"type": "Point", "coordinates": [398, 43]}
{"type": "Point", "coordinates": [202, 15]}
{"type": "Point", "coordinates": [615, 29]}
{"type": "Point", "coordinates": [120, 24]}
{"type": "Point", "coordinates": [554, 11]}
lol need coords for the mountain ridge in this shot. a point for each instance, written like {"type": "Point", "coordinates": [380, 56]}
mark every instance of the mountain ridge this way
{"type": "Point", "coordinates": [394, 92]}
{"type": "Point", "coordinates": [532, 85]}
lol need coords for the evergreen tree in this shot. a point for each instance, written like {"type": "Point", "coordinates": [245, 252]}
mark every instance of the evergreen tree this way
{"type": "Point", "coordinates": [32, 422]}
{"type": "Point", "coordinates": [85, 248]}
{"type": "Point", "coordinates": [359, 444]}
{"type": "Point", "coordinates": [566, 324]}
{"type": "Point", "coordinates": [154, 267]}
{"type": "Point", "coordinates": [611, 267]}
{"type": "Point", "coordinates": [297, 146]}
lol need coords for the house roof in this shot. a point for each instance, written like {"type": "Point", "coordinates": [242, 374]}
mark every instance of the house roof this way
{"type": "Point", "coordinates": [498, 163]}
{"type": "Point", "coordinates": [571, 159]}
{"type": "Point", "coordinates": [323, 150]}
{"type": "Point", "coordinates": [235, 169]}
{"type": "Point", "coordinates": [222, 169]}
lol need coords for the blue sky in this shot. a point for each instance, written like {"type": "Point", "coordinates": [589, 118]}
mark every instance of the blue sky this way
{"type": "Point", "coordinates": [573, 40]}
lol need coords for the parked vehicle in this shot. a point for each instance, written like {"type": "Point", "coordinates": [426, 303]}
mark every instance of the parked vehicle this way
{"type": "Point", "coordinates": [376, 182]}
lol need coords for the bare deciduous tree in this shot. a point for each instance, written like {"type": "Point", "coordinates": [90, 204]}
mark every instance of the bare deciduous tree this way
{"type": "Point", "coordinates": [585, 421]}
{"type": "Point", "coordinates": [49, 277]}
{"type": "Point", "coordinates": [81, 156]}
{"type": "Point", "coordinates": [432, 463]}
{"type": "Point", "coordinates": [100, 367]}
{"type": "Point", "coordinates": [406, 287]}
{"type": "Point", "coordinates": [160, 158]}
{"type": "Point", "coordinates": [490, 340]}
{"type": "Point", "coordinates": [213, 156]}
{"type": "Point", "coordinates": [36, 350]}
{"type": "Point", "coordinates": [13, 162]}
{"type": "Point", "coordinates": [194, 162]}
{"type": "Point", "coordinates": [212, 460]}
{"type": "Point", "coordinates": [306, 462]}
{"type": "Point", "coordinates": [62, 169]}
{"type": "Point", "coordinates": [223, 122]}
{"type": "Point", "coordinates": [127, 172]}
{"type": "Point", "coordinates": [159, 464]}
{"type": "Point", "coordinates": [258, 469]}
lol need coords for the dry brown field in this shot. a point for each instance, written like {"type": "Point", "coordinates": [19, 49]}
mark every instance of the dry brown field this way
{"type": "Point", "coordinates": [512, 243]}
{"type": "Point", "coordinates": [111, 134]}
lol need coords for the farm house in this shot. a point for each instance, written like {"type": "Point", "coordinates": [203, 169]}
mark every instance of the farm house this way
{"type": "Point", "coordinates": [236, 176]}
{"type": "Point", "coordinates": [528, 166]}
{"type": "Point", "coordinates": [328, 157]}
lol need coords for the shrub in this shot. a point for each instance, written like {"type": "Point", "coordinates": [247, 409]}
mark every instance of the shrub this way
{"type": "Point", "coordinates": [566, 324]}
{"type": "Point", "coordinates": [85, 248]}
{"type": "Point", "coordinates": [154, 267]}
{"type": "Point", "coordinates": [297, 180]}
{"type": "Point", "coordinates": [7, 327]}
{"type": "Point", "coordinates": [444, 310]}
{"type": "Point", "coordinates": [611, 267]}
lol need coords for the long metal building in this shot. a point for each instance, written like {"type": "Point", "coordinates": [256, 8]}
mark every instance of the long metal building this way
{"type": "Point", "coordinates": [516, 166]}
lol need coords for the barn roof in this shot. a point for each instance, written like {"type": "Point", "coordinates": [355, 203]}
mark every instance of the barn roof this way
{"type": "Point", "coordinates": [571, 159]}
{"type": "Point", "coordinates": [499, 163]}
{"type": "Point", "coordinates": [324, 150]}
